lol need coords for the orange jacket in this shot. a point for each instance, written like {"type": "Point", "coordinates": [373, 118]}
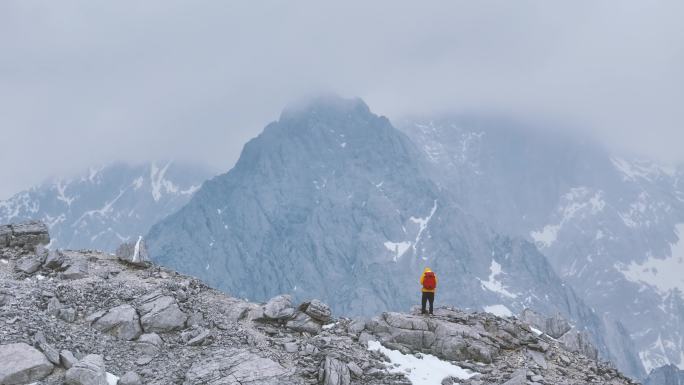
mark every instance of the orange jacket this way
{"type": "Point", "coordinates": [422, 277]}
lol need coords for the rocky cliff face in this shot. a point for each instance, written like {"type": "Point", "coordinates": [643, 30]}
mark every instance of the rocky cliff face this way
{"type": "Point", "coordinates": [106, 206]}
{"type": "Point", "coordinates": [665, 375]}
{"type": "Point", "coordinates": [118, 322]}
{"type": "Point", "coordinates": [611, 226]}
{"type": "Point", "coordinates": [332, 200]}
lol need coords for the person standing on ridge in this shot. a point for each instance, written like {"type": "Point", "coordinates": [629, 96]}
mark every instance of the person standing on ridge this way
{"type": "Point", "coordinates": [429, 281]}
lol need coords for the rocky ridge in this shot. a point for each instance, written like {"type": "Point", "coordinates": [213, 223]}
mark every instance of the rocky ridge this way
{"type": "Point", "coordinates": [155, 326]}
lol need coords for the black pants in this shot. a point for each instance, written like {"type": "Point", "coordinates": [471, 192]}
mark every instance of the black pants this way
{"type": "Point", "coordinates": [427, 297]}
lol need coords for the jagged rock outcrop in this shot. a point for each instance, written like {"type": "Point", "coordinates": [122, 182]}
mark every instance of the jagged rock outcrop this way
{"type": "Point", "coordinates": [334, 372]}
{"type": "Point", "coordinates": [22, 364]}
{"type": "Point", "coordinates": [558, 327]}
{"type": "Point", "coordinates": [490, 346]}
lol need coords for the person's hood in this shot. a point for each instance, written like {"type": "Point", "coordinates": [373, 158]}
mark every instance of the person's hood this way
{"type": "Point", "coordinates": [426, 270]}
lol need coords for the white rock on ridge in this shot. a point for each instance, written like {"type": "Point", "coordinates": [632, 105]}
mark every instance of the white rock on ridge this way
{"type": "Point", "coordinates": [22, 364]}
{"type": "Point", "coordinates": [134, 253]}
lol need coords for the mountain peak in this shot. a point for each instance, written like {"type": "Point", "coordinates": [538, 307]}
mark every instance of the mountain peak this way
{"type": "Point", "coordinates": [324, 105]}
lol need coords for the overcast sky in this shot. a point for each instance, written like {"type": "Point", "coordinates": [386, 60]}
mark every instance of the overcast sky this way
{"type": "Point", "coordinates": [87, 82]}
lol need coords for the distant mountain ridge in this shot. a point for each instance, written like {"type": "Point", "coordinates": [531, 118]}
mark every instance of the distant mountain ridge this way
{"type": "Point", "coordinates": [334, 202]}
{"type": "Point", "coordinates": [108, 205]}
{"type": "Point", "coordinates": [611, 226]}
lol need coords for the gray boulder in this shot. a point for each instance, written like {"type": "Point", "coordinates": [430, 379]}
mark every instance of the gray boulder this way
{"type": "Point", "coordinates": [130, 378]}
{"type": "Point", "coordinates": [236, 366]}
{"type": "Point", "coordinates": [279, 308]}
{"type": "Point", "coordinates": [318, 311]}
{"type": "Point", "coordinates": [22, 364]}
{"type": "Point", "coordinates": [302, 322]}
{"type": "Point", "coordinates": [134, 253]}
{"type": "Point", "coordinates": [160, 313]}
{"type": "Point", "coordinates": [334, 372]}
{"type": "Point", "coordinates": [28, 235]}
{"type": "Point", "coordinates": [88, 371]}
{"type": "Point", "coordinates": [29, 264]}
{"type": "Point", "coordinates": [149, 344]}
{"type": "Point", "coordinates": [54, 260]}
{"type": "Point", "coordinates": [53, 306]}
{"type": "Point", "coordinates": [121, 321]}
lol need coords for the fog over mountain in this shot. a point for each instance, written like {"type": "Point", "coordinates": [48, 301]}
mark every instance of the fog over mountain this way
{"type": "Point", "coordinates": [178, 80]}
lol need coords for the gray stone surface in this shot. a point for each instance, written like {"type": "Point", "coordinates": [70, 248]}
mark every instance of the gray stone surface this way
{"type": "Point", "coordinates": [88, 371]}
{"type": "Point", "coordinates": [228, 366]}
{"type": "Point", "coordinates": [302, 322]}
{"type": "Point", "coordinates": [67, 359]}
{"type": "Point", "coordinates": [48, 350]}
{"type": "Point", "coordinates": [122, 322]}
{"type": "Point", "coordinates": [130, 378]}
{"type": "Point", "coordinates": [160, 313]}
{"type": "Point", "coordinates": [54, 260]}
{"type": "Point", "coordinates": [335, 372]}
{"type": "Point", "coordinates": [29, 264]}
{"type": "Point", "coordinates": [22, 364]}
{"type": "Point", "coordinates": [77, 269]}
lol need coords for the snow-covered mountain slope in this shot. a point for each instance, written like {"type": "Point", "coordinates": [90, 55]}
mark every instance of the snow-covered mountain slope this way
{"type": "Point", "coordinates": [106, 206]}
{"type": "Point", "coordinates": [334, 202]}
{"type": "Point", "coordinates": [612, 227]}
